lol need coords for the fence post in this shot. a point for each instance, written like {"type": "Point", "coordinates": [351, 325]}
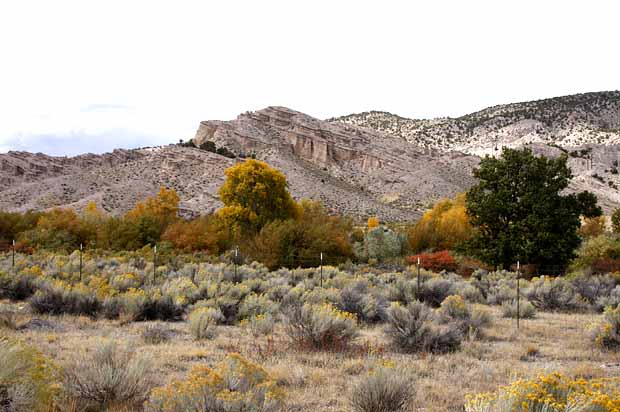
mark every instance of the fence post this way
{"type": "Point", "coordinates": [81, 262]}
{"type": "Point", "coordinates": [321, 269]}
{"type": "Point", "coordinates": [154, 262]}
{"type": "Point", "coordinates": [235, 261]}
{"type": "Point", "coordinates": [418, 275]}
{"type": "Point", "coordinates": [518, 296]}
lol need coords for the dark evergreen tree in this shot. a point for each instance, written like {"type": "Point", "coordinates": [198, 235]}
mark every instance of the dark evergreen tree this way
{"type": "Point", "coordinates": [520, 211]}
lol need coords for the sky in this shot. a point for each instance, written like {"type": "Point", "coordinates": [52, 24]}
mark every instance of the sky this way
{"type": "Point", "coordinates": [91, 76]}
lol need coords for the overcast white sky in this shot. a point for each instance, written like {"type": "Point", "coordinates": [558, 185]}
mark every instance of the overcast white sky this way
{"type": "Point", "coordinates": [79, 76]}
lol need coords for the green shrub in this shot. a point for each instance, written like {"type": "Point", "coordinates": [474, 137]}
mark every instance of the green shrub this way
{"type": "Point", "coordinates": [607, 334]}
{"type": "Point", "coordinates": [526, 309]}
{"type": "Point", "coordinates": [108, 379]}
{"type": "Point", "coordinates": [385, 390]}
{"type": "Point", "coordinates": [380, 243]}
{"type": "Point", "coordinates": [415, 328]}
{"type": "Point", "coordinates": [26, 378]}
{"type": "Point", "coordinates": [234, 385]}
{"type": "Point", "coordinates": [203, 323]}
{"type": "Point", "coordinates": [320, 326]}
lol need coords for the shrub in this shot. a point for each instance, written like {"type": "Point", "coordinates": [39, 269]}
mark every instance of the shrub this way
{"type": "Point", "coordinates": [7, 317]}
{"type": "Point", "coordinates": [179, 289]}
{"type": "Point", "coordinates": [469, 321]}
{"type": "Point", "coordinates": [160, 308]}
{"type": "Point", "coordinates": [414, 328]}
{"type": "Point", "coordinates": [593, 287]}
{"type": "Point", "coordinates": [320, 326]}
{"type": "Point", "coordinates": [125, 282]}
{"type": "Point", "coordinates": [526, 309]}
{"type": "Point", "coordinates": [260, 325]}
{"type": "Point", "coordinates": [599, 255]}
{"type": "Point", "coordinates": [435, 262]}
{"type": "Point", "coordinates": [18, 287]}
{"type": "Point", "coordinates": [435, 290]}
{"type": "Point", "coordinates": [135, 305]}
{"type": "Point", "coordinates": [383, 391]}
{"type": "Point", "coordinates": [254, 304]}
{"type": "Point", "coordinates": [607, 334]}
{"type": "Point", "coordinates": [612, 300]}
{"type": "Point", "coordinates": [109, 378]}
{"type": "Point", "coordinates": [26, 378]}
{"type": "Point", "coordinates": [128, 304]}
{"type": "Point", "coordinates": [547, 393]}
{"type": "Point", "coordinates": [54, 300]}
{"type": "Point", "coordinates": [235, 384]}
{"type": "Point", "coordinates": [156, 334]}
{"type": "Point", "coordinates": [380, 243]}
{"type": "Point", "coordinates": [554, 294]}
{"type": "Point", "coordinates": [356, 299]}
{"type": "Point", "coordinates": [203, 323]}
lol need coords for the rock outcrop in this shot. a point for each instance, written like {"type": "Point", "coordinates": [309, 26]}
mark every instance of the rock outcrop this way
{"type": "Point", "coordinates": [359, 165]}
{"type": "Point", "coordinates": [352, 170]}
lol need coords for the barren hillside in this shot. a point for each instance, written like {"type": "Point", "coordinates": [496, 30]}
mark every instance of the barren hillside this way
{"type": "Point", "coordinates": [569, 121]}
{"type": "Point", "coordinates": [360, 165]}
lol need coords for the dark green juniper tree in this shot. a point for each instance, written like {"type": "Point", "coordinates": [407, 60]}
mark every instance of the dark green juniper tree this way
{"type": "Point", "coordinates": [520, 212]}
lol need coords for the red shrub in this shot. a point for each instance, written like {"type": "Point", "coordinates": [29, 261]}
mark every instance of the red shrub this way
{"type": "Point", "coordinates": [605, 265]}
{"type": "Point", "coordinates": [435, 262]}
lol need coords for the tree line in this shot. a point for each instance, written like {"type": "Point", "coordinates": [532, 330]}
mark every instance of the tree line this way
{"type": "Point", "coordinates": [518, 211]}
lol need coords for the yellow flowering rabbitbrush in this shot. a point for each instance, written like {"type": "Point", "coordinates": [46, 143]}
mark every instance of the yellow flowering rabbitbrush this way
{"type": "Point", "coordinates": [550, 393]}
{"type": "Point", "coordinates": [235, 384]}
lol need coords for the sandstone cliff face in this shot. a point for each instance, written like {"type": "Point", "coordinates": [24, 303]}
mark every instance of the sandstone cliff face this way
{"type": "Point", "coordinates": [351, 169]}
{"type": "Point", "coordinates": [353, 166]}
{"type": "Point", "coordinates": [308, 138]}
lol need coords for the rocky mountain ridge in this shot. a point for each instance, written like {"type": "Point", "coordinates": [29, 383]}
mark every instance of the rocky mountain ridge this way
{"type": "Point", "coordinates": [360, 165]}
{"type": "Point", "coordinates": [568, 121]}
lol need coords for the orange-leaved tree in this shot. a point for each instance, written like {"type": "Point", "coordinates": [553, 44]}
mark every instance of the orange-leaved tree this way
{"type": "Point", "coordinates": [373, 222]}
{"type": "Point", "coordinates": [442, 227]}
{"type": "Point", "coordinates": [153, 215]}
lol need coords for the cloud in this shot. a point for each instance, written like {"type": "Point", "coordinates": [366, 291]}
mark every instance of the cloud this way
{"type": "Point", "coordinates": [78, 142]}
{"type": "Point", "coordinates": [104, 107]}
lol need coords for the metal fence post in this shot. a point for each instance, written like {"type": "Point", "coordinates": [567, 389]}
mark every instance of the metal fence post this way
{"type": "Point", "coordinates": [13, 253]}
{"type": "Point", "coordinates": [418, 275]}
{"type": "Point", "coordinates": [81, 262]}
{"type": "Point", "coordinates": [154, 262]}
{"type": "Point", "coordinates": [321, 268]}
{"type": "Point", "coordinates": [518, 296]}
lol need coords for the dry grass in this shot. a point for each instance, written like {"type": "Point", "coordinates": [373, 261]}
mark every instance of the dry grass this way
{"type": "Point", "coordinates": [317, 380]}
